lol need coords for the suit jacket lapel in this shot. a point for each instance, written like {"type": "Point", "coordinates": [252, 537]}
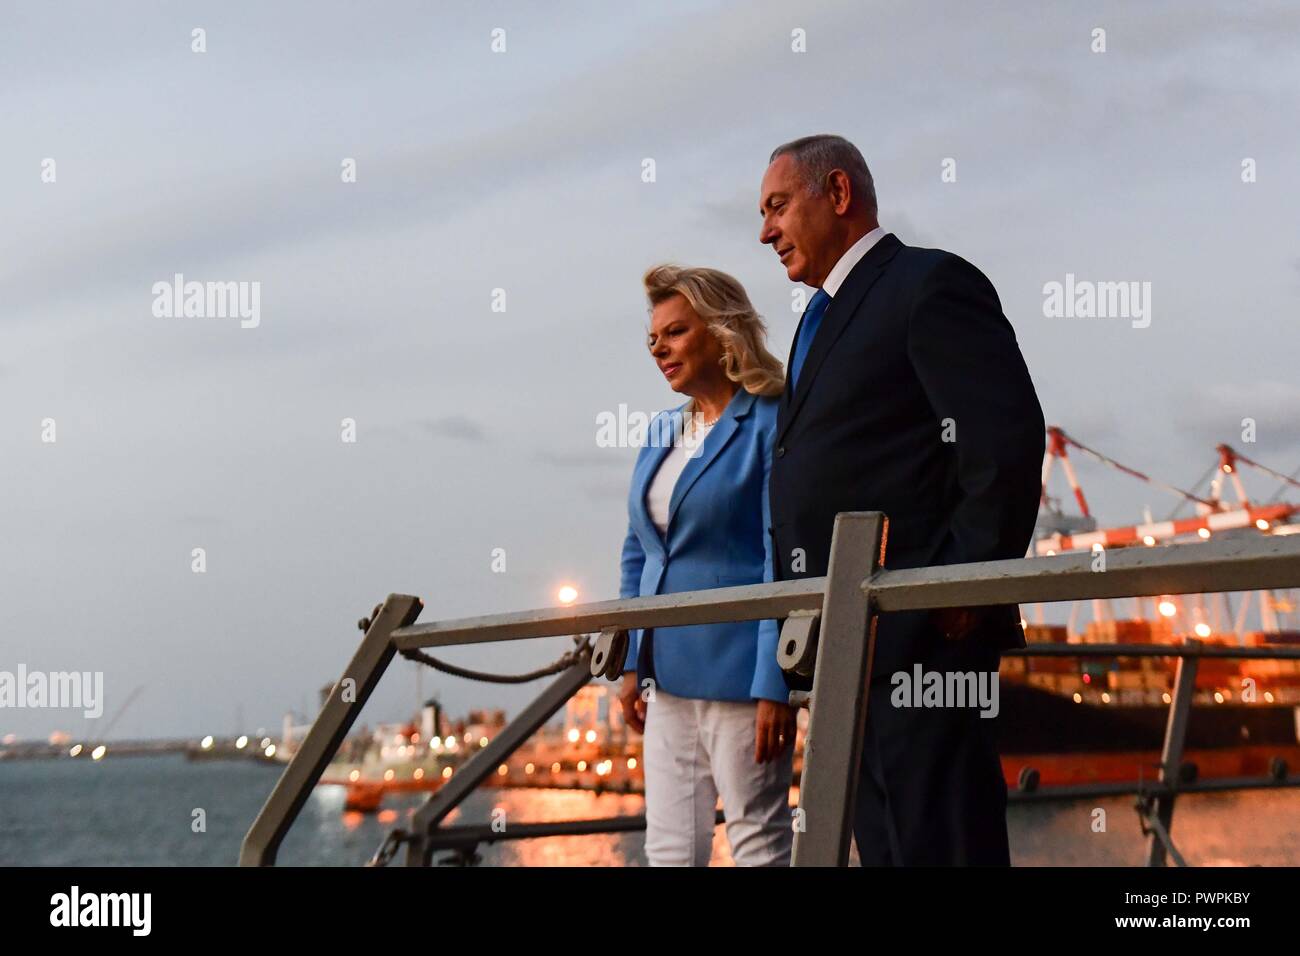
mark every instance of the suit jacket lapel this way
{"type": "Point", "coordinates": [842, 308]}
{"type": "Point", "coordinates": [714, 442]}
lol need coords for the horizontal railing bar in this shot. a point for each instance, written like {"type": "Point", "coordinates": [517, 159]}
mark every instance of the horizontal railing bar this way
{"type": "Point", "coordinates": [1223, 565]}
{"type": "Point", "coordinates": [1243, 564]}
{"type": "Point", "coordinates": [463, 836]}
{"type": "Point", "coordinates": [748, 602]}
{"type": "Point", "coordinates": [1156, 650]}
{"type": "Point", "coordinates": [1080, 791]}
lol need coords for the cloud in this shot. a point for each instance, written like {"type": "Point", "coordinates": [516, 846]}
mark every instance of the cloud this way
{"type": "Point", "coordinates": [1215, 414]}
{"type": "Point", "coordinates": [602, 458]}
{"type": "Point", "coordinates": [453, 426]}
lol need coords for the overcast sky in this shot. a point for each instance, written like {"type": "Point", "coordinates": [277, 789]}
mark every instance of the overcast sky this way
{"type": "Point", "coordinates": [522, 170]}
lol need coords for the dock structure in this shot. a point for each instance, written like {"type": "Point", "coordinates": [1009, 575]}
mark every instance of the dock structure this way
{"type": "Point", "coordinates": [828, 632]}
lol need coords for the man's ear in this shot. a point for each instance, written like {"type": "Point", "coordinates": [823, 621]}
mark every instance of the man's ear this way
{"type": "Point", "coordinates": [840, 192]}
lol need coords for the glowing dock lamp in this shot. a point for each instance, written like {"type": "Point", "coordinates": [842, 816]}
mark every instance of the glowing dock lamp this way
{"type": "Point", "coordinates": [75, 751]}
{"type": "Point", "coordinates": [591, 736]}
{"type": "Point", "coordinates": [1204, 533]}
{"type": "Point", "coordinates": [270, 750]}
{"type": "Point", "coordinates": [1167, 607]}
{"type": "Point", "coordinates": [567, 594]}
{"type": "Point", "coordinates": [98, 752]}
{"type": "Point", "coordinates": [1148, 540]}
{"type": "Point", "coordinates": [573, 735]}
{"type": "Point", "coordinates": [206, 742]}
{"type": "Point", "coordinates": [242, 742]}
{"type": "Point", "coordinates": [1262, 524]}
{"type": "Point", "coordinates": [1202, 629]}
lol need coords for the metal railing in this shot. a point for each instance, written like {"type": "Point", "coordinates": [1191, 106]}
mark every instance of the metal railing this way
{"type": "Point", "coordinates": [829, 629]}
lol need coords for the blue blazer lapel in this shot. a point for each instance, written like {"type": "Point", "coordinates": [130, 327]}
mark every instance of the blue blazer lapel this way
{"type": "Point", "coordinates": [714, 442]}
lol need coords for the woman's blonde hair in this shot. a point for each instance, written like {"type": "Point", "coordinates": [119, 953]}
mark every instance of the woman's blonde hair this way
{"type": "Point", "coordinates": [720, 300]}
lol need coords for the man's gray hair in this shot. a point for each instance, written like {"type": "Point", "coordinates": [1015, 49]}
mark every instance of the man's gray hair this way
{"type": "Point", "coordinates": [816, 156]}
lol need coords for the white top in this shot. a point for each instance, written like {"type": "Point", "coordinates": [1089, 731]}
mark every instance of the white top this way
{"type": "Point", "coordinates": [660, 493]}
{"type": "Point", "coordinates": [850, 259]}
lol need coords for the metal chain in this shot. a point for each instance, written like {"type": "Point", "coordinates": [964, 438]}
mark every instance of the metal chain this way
{"type": "Point", "coordinates": [563, 664]}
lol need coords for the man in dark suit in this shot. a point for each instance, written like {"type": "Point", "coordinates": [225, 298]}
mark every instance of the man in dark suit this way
{"type": "Point", "coordinates": [906, 394]}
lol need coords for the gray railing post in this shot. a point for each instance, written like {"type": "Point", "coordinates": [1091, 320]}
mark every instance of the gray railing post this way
{"type": "Point", "coordinates": [837, 724]}
{"type": "Point", "coordinates": [328, 731]}
{"type": "Point", "coordinates": [1171, 755]}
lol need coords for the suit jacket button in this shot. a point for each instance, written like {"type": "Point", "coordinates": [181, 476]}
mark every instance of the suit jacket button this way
{"type": "Point", "coordinates": [780, 452]}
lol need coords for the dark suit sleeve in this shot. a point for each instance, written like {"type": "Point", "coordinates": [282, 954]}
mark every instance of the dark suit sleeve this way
{"type": "Point", "coordinates": [964, 352]}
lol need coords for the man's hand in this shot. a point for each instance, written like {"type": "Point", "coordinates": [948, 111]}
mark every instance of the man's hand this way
{"type": "Point", "coordinates": [955, 623]}
{"type": "Point", "coordinates": [773, 730]}
{"type": "Point", "coordinates": [629, 697]}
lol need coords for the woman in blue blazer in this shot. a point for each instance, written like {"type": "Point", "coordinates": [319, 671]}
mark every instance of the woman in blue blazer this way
{"type": "Point", "coordinates": [709, 699]}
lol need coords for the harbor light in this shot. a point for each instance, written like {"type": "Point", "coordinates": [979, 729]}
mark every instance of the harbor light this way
{"type": "Point", "coordinates": [502, 770]}
{"type": "Point", "coordinates": [1204, 532]}
{"type": "Point", "coordinates": [1261, 524]}
{"type": "Point", "coordinates": [529, 768]}
{"type": "Point", "coordinates": [631, 763]}
{"type": "Point", "coordinates": [482, 742]}
{"type": "Point", "coordinates": [75, 751]}
{"type": "Point", "coordinates": [98, 752]}
{"type": "Point", "coordinates": [1202, 629]}
{"type": "Point", "coordinates": [567, 594]}
{"type": "Point", "coordinates": [1078, 698]}
{"type": "Point", "coordinates": [354, 776]}
{"type": "Point", "coordinates": [266, 742]}
{"type": "Point", "coordinates": [1218, 698]}
{"type": "Point", "coordinates": [270, 750]}
{"type": "Point", "coordinates": [591, 736]}
{"type": "Point", "coordinates": [555, 767]}
{"type": "Point", "coordinates": [1165, 697]}
{"type": "Point", "coordinates": [389, 774]}
{"type": "Point", "coordinates": [446, 773]}
{"type": "Point", "coordinates": [582, 766]}
{"type": "Point", "coordinates": [419, 773]}
{"type": "Point", "coordinates": [1168, 608]}
{"type": "Point", "coordinates": [449, 743]}
{"type": "Point", "coordinates": [1268, 696]}
{"type": "Point", "coordinates": [206, 742]}
{"type": "Point", "coordinates": [573, 735]}
{"type": "Point", "coordinates": [242, 742]}
{"type": "Point", "coordinates": [1148, 540]}
{"type": "Point", "coordinates": [1105, 697]}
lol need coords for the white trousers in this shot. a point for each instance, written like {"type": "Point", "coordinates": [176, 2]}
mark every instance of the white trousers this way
{"type": "Point", "coordinates": [696, 750]}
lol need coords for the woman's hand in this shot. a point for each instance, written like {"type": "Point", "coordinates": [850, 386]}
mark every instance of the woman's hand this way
{"type": "Point", "coordinates": [629, 697]}
{"type": "Point", "coordinates": [773, 730]}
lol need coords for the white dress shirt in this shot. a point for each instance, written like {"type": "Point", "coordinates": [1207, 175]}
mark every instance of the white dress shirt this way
{"type": "Point", "coordinates": [850, 259]}
{"type": "Point", "coordinates": [660, 493]}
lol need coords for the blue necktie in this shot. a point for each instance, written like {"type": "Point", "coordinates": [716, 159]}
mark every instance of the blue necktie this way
{"type": "Point", "coordinates": [812, 318]}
